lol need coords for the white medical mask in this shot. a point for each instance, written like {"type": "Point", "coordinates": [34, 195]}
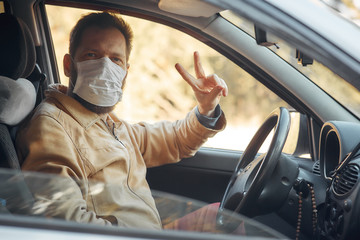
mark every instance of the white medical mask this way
{"type": "Point", "coordinates": [99, 82]}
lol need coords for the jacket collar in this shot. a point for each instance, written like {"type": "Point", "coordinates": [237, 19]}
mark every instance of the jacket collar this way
{"type": "Point", "coordinates": [82, 115]}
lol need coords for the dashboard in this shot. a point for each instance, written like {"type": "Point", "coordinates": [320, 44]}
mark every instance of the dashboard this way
{"type": "Point", "coordinates": [340, 166]}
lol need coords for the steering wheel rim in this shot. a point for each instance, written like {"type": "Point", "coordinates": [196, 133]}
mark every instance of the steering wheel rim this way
{"type": "Point", "coordinates": [251, 172]}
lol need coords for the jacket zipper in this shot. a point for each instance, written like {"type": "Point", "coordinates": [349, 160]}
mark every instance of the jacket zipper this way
{"type": "Point", "coordinates": [113, 133]}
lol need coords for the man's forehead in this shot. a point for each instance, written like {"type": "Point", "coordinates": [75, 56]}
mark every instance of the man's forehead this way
{"type": "Point", "coordinates": [94, 38]}
{"type": "Point", "coordinates": [94, 32]}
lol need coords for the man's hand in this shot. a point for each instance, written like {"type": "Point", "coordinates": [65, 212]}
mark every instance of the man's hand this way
{"type": "Point", "coordinates": [208, 89]}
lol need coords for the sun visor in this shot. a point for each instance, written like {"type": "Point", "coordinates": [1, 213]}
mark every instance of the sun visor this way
{"type": "Point", "coordinates": [191, 8]}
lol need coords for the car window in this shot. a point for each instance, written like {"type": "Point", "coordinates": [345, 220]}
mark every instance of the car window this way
{"type": "Point", "coordinates": [155, 91]}
{"type": "Point", "coordinates": [40, 196]}
{"type": "Point", "coordinates": [2, 7]}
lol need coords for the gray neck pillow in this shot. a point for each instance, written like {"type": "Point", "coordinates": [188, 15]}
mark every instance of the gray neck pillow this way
{"type": "Point", "coordinates": [17, 99]}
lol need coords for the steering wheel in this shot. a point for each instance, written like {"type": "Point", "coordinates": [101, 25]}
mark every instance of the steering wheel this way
{"type": "Point", "coordinates": [253, 172]}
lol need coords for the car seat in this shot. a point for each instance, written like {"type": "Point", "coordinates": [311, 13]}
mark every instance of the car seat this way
{"type": "Point", "coordinates": [17, 94]}
{"type": "Point", "coordinates": [18, 97]}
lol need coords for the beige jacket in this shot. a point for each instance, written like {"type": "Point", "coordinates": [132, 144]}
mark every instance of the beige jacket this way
{"type": "Point", "coordinates": [105, 167]}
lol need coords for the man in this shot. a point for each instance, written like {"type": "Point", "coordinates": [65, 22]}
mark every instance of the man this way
{"type": "Point", "coordinates": [73, 133]}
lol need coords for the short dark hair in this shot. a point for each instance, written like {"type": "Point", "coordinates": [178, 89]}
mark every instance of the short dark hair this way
{"type": "Point", "coordinates": [101, 20]}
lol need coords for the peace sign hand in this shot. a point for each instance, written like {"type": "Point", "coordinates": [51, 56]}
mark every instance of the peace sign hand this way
{"type": "Point", "coordinates": [208, 89]}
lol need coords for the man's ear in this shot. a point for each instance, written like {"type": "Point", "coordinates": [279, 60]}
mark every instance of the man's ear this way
{"type": "Point", "coordinates": [67, 62]}
{"type": "Point", "coordinates": [127, 70]}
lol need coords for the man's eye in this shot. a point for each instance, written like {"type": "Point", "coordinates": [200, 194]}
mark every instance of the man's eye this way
{"type": "Point", "coordinates": [117, 61]}
{"type": "Point", "coordinates": [90, 55]}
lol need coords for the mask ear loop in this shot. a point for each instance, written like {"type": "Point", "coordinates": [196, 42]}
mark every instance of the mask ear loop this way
{"type": "Point", "coordinates": [70, 78]}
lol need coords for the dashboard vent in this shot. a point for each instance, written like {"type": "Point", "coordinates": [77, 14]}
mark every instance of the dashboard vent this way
{"type": "Point", "coordinates": [316, 168]}
{"type": "Point", "coordinates": [346, 179]}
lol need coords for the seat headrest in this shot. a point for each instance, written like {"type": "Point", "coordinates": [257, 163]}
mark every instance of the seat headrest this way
{"type": "Point", "coordinates": [17, 48]}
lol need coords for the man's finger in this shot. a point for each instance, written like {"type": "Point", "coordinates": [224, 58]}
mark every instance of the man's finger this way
{"type": "Point", "coordinates": [225, 90]}
{"type": "Point", "coordinates": [216, 91]}
{"type": "Point", "coordinates": [199, 71]}
{"type": "Point", "coordinates": [220, 82]}
{"type": "Point", "coordinates": [186, 76]}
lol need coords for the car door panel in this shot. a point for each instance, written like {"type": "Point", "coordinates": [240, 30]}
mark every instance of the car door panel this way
{"type": "Point", "coordinates": [203, 177]}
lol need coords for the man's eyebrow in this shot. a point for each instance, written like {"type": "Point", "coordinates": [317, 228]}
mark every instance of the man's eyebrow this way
{"type": "Point", "coordinates": [121, 55]}
{"type": "Point", "coordinates": [91, 49]}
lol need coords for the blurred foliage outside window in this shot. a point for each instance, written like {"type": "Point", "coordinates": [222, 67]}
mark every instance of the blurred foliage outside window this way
{"type": "Point", "coordinates": [2, 8]}
{"type": "Point", "coordinates": [155, 91]}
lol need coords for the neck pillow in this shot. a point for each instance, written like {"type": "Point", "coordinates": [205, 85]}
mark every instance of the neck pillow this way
{"type": "Point", "coordinates": [17, 99]}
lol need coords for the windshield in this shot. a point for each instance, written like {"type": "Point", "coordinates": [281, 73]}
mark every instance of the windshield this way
{"type": "Point", "coordinates": [331, 83]}
{"type": "Point", "coordinates": [30, 194]}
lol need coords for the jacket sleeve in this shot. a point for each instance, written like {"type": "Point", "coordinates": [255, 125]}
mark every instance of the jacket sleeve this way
{"type": "Point", "coordinates": [61, 197]}
{"type": "Point", "coordinates": [56, 197]}
{"type": "Point", "coordinates": [169, 142]}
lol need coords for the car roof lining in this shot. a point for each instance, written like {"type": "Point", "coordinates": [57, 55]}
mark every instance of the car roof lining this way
{"type": "Point", "coordinates": [330, 51]}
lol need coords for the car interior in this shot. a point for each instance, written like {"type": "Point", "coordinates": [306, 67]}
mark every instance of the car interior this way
{"type": "Point", "coordinates": [309, 192]}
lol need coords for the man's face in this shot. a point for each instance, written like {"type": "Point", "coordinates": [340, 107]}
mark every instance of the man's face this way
{"type": "Point", "coordinates": [97, 43]}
